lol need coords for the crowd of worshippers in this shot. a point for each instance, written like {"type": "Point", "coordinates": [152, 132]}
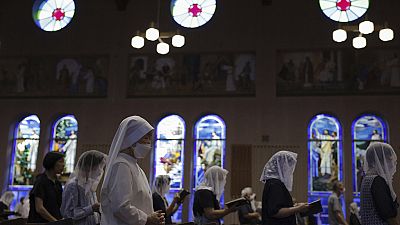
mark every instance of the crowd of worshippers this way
{"type": "Point", "coordinates": [126, 196]}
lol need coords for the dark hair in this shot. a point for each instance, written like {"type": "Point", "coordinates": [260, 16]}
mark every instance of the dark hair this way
{"type": "Point", "coordinates": [90, 161]}
{"type": "Point", "coordinates": [51, 159]}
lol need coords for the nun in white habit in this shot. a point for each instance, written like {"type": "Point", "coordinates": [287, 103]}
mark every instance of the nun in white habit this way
{"type": "Point", "coordinates": [125, 195]}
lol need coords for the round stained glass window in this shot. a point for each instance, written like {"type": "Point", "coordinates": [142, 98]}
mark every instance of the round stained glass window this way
{"type": "Point", "coordinates": [53, 15]}
{"type": "Point", "coordinates": [193, 13]}
{"type": "Point", "coordinates": [344, 10]}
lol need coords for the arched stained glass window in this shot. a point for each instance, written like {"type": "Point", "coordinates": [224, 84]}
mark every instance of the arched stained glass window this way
{"type": "Point", "coordinates": [344, 10]}
{"type": "Point", "coordinates": [168, 156]}
{"type": "Point", "coordinates": [366, 129]}
{"type": "Point", "coordinates": [26, 143]}
{"type": "Point", "coordinates": [210, 134]}
{"type": "Point", "coordinates": [325, 162]}
{"type": "Point", "coordinates": [193, 13]}
{"type": "Point", "coordinates": [64, 140]}
{"type": "Point", "coordinates": [53, 15]}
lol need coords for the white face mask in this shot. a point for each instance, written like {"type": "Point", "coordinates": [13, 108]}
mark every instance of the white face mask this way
{"type": "Point", "coordinates": [141, 150]}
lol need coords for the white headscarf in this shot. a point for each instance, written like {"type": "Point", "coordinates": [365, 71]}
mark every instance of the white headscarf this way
{"type": "Point", "coordinates": [89, 170]}
{"type": "Point", "coordinates": [130, 131]}
{"type": "Point", "coordinates": [7, 198]}
{"type": "Point", "coordinates": [381, 160]}
{"type": "Point", "coordinates": [161, 185]}
{"type": "Point", "coordinates": [280, 166]}
{"type": "Point", "coordinates": [214, 180]}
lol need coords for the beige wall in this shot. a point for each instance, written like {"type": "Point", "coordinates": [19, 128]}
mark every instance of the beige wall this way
{"type": "Point", "coordinates": [237, 26]}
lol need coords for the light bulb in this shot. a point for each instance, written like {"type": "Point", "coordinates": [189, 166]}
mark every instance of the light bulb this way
{"type": "Point", "coordinates": [178, 40]}
{"type": "Point", "coordinates": [366, 27]}
{"type": "Point", "coordinates": [152, 34]}
{"type": "Point", "coordinates": [339, 35]}
{"type": "Point", "coordinates": [386, 34]}
{"type": "Point", "coordinates": [359, 42]}
{"type": "Point", "coordinates": [137, 42]}
{"type": "Point", "coordinates": [162, 48]}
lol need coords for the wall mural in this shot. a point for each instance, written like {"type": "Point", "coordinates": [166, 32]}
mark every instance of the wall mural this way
{"type": "Point", "coordinates": [191, 75]}
{"type": "Point", "coordinates": [338, 72]}
{"type": "Point", "coordinates": [54, 76]}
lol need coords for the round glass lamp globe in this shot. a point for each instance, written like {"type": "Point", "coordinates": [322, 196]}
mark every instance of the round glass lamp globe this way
{"type": "Point", "coordinates": [359, 42]}
{"type": "Point", "coordinates": [137, 42]}
{"type": "Point", "coordinates": [366, 27]}
{"type": "Point", "coordinates": [339, 35]}
{"type": "Point", "coordinates": [152, 34]}
{"type": "Point", "coordinates": [162, 48]}
{"type": "Point", "coordinates": [178, 41]}
{"type": "Point", "coordinates": [386, 34]}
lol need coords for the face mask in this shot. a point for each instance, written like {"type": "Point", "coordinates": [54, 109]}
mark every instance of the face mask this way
{"type": "Point", "coordinates": [141, 150]}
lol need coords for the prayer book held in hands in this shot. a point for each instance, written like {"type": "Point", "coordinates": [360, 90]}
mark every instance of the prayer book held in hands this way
{"type": "Point", "coordinates": [315, 207]}
{"type": "Point", "coordinates": [236, 202]}
{"type": "Point", "coordinates": [183, 193]}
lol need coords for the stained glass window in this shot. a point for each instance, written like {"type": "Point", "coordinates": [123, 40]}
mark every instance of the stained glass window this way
{"type": "Point", "coordinates": [53, 15]}
{"type": "Point", "coordinates": [325, 162]}
{"type": "Point", "coordinates": [344, 10]}
{"type": "Point", "coordinates": [210, 134]}
{"type": "Point", "coordinates": [64, 140]}
{"type": "Point", "coordinates": [193, 13]}
{"type": "Point", "coordinates": [365, 129]}
{"type": "Point", "coordinates": [168, 157]}
{"type": "Point", "coordinates": [25, 151]}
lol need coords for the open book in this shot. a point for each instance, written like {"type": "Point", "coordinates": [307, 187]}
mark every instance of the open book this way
{"type": "Point", "coordinates": [314, 208]}
{"type": "Point", "coordinates": [237, 202]}
{"type": "Point", "coordinates": [183, 193]}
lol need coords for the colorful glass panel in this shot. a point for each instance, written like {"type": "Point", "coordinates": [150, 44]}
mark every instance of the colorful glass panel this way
{"type": "Point", "coordinates": [193, 13]}
{"type": "Point", "coordinates": [169, 153]}
{"type": "Point", "coordinates": [324, 153]}
{"type": "Point", "coordinates": [65, 140]}
{"type": "Point", "coordinates": [344, 10]}
{"type": "Point", "coordinates": [53, 15]}
{"type": "Point", "coordinates": [25, 151]}
{"type": "Point", "coordinates": [366, 129]}
{"type": "Point", "coordinates": [209, 145]}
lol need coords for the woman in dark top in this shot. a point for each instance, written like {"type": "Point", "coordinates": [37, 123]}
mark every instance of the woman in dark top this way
{"type": "Point", "coordinates": [160, 189]}
{"type": "Point", "coordinates": [5, 202]}
{"type": "Point", "coordinates": [277, 203]}
{"type": "Point", "coordinates": [46, 195]}
{"type": "Point", "coordinates": [206, 208]}
{"type": "Point", "coordinates": [378, 199]}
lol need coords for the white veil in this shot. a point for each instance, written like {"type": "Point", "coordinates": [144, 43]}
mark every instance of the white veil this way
{"type": "Point", "coordinates": [130, 130]}
{"type": "Point", "coordinates": [161, 184]}
{"type": "Point", "coordinates": [89, 170]}
{"type": "Point", "coordinates": [381, 160]}
{"type": "Point", "coordinates": [214, 180]}
{"type": "Point", "coordinates": [280, 166]}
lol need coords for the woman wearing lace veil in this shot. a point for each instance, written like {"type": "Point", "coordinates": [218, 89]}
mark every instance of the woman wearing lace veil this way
{"type": "Point", "coordinates": [378, 199]}
{"type": "Point", "coordinates": [79, 197]}
{"type": "Point", "coordinates": [126, 195]}
{"type": "Point", "coordinates": [278, 207]}
{"type": "Point", "coordinates": [206, 206]}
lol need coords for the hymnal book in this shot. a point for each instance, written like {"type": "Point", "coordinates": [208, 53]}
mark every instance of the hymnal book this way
{"type": "Point", "coordinates": [183, 193]}
{"type": "Point", "coordinates": [237, 202]}
{"type": "Point", "coordinates": [314, 208]}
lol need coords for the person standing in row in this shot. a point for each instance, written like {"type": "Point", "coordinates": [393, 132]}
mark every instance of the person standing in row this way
{"type": "Point", "coordinates": [126, 195]}
{"type": "Point", "coordinates": [378, 199]}
{"type": "Point", "coordinates": [46, 195]}
{"type": "Point", "coordinates": [79, 196]}
{"type": "Point", "coordinates": [277, 203]}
